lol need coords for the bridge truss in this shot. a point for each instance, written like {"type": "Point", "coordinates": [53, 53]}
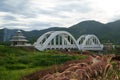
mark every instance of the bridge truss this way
{"type": "Point", "coordinates": [64, 40]}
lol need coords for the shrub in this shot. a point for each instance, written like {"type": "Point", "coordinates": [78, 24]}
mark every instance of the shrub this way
{"type": "Point", "coordinates": [2, 68]}
{"type": "Point", "coordinates": [25, 60]}
{"type": "Point", "coordinates": [16, 66]}
{"type": "Point", "coordinates": [43, 62]}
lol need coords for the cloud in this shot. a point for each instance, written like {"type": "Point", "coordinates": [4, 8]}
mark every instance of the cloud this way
{"type": "Point", "coordinates": [40, 14]}
{"type": "Point", "coordinates": [9, 18]}
{"type": "Point", "coordinates": [14, 6]}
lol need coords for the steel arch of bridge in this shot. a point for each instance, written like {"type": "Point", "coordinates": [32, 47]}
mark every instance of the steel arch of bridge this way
{"type": "Point", "coordinates": [64, 40]}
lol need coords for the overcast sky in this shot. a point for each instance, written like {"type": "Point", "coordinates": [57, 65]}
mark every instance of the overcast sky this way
{"type": "Point", "coordinates": [42, 14]}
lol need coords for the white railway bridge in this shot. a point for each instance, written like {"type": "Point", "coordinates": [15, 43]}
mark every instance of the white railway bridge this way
{"type": "Point", "coordinates": [64, 40]}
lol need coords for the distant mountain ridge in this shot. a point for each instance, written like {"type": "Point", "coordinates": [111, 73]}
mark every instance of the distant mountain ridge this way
{"type": "Point", "coordinates": [109, 32]}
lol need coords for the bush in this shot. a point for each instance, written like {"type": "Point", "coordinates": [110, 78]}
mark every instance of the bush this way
{"type": "Point", "coordinates": [25, 60]}
{"type": "Point", "coordinates": [43, 62]}
{"type": "Point", "coordinates": [2, 68]}
{"type": "Point", "coordinates": [16, 66]}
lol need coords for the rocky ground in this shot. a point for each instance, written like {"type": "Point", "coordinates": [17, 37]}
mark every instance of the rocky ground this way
{"type": "Point", "coordinates": [95, 67]}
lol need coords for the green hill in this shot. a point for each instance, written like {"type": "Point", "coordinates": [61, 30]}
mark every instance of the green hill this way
{"type": "Point", "coordinates": [106, 32]}
{"type": "Point", "coordinates": [88, 27]}
{"type": "Point", "coordinates": [1, 35]}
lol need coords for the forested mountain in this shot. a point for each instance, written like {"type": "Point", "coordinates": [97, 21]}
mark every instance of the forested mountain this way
{"type": "Point", "coordinates": [109, 32]}
{"type": "Point", "coordinates": [1, 34]}
{"type": "Point", "coordinates": [88, 27]}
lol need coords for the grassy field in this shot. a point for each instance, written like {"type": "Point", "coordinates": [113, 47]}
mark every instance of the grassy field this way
{"type": "Point", "coordinates": [16, 62]}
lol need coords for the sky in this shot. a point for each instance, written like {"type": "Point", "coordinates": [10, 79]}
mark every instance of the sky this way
{"type": "Point", "coordinates": [42, 14]}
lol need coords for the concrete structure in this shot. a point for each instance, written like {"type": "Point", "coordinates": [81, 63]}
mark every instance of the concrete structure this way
{"type": "Point", "coordinates": [18, 39]}
{"type": "Point", "coordinates": [89, 42]}
{"type": "Point", "coordinates": [64, 40]}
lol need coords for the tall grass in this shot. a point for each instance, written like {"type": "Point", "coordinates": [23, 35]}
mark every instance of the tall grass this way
{"type": "Point", "coordinates": [16, 62]}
